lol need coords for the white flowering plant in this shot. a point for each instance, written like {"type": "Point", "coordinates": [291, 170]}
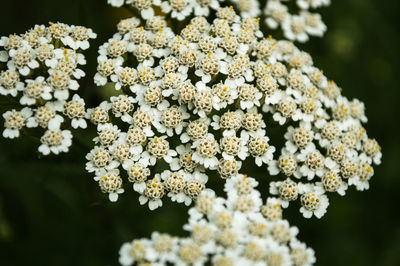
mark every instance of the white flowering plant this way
{"type": "Point", "coordinates": [201, 91]}
{"type": "Point", "coordinates": [41, 73]}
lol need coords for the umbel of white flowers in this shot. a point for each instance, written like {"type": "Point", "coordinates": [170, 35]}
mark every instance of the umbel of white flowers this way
{"type": "Point", "coordinates": [55, 53]}
{"type": "Point", "coordinates": [211, 87]}
{"type": "Point", "coordinates": [238, 230]}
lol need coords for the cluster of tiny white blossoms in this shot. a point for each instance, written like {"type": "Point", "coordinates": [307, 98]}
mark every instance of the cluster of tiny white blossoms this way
{"type": "Point", "coordinates": [297, 22]}
{"type": "Point", "coordinates": [296, 25]}
{"type": "Point", "coordinates": [325, 152]}
{"type": "Point", "coordinates": [38, 70]}
{"type": "Point", "coordinates": [195, 106]}
{"type": "Point", "coordinates": [188, 124]}
{"type": "Point", "coordinates": [238, 230]}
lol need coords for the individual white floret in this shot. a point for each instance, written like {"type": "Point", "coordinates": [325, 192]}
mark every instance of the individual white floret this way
{"type": "Point", "coordinates": [314, 201]}
{"type": "Point", "coordinates": [55, 140]}
{"type": "Point", "coordinates": [14, 121]}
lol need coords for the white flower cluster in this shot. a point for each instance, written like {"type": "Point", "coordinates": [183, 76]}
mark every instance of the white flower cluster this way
{"type": "Point", "coordinates": [41, 67]}
{"type": "Point", "coordinates": [327, 152]}
{"type": "Point", "coordinates": [196, 105]}
{"type": "Point", "coordinates": [238, 230]}
{"type": "Point", "coordinates": [296, 26]}
{"type": "Point", "coordinates": [187, 127]}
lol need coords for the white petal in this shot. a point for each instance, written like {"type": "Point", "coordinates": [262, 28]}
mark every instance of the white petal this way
{"type": "Point", "coordinates": [113, 197]}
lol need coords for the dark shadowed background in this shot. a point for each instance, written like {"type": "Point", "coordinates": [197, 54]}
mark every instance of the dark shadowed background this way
{"type": "Point", "coordinates": [53, 213]}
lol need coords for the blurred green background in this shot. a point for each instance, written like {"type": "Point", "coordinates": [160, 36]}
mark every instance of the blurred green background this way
{"type": "Point", "coordinates": [52, 212]}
